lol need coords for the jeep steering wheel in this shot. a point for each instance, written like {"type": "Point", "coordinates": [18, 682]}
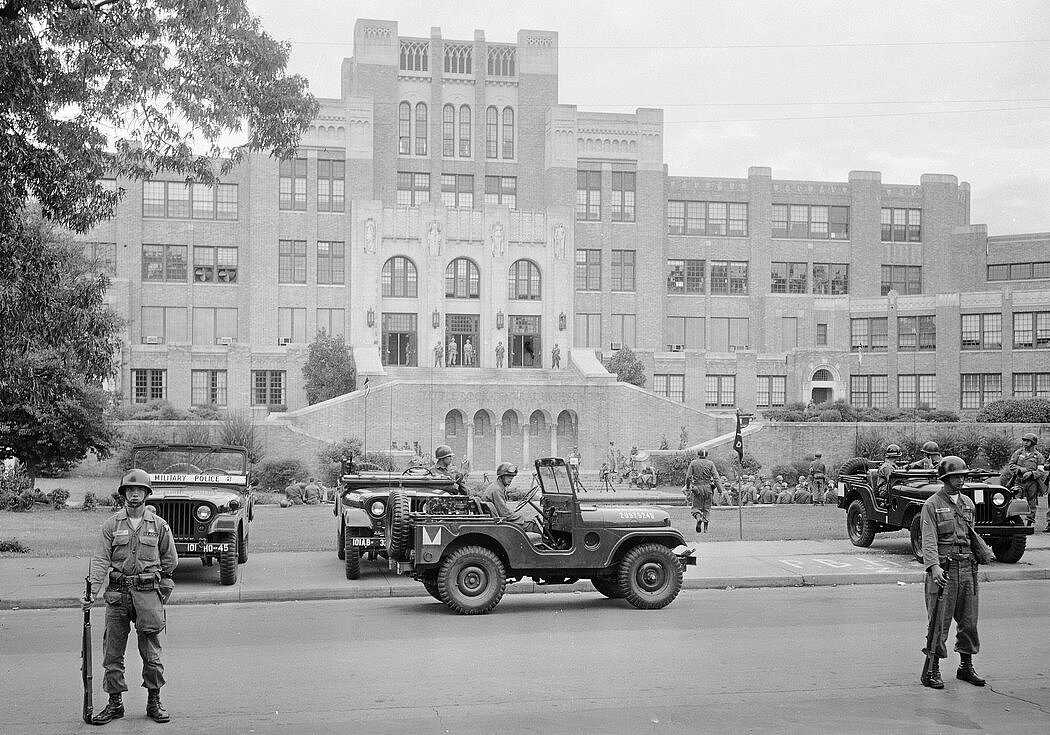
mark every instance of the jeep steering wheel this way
{"type": "Point", "coordinates": [527, 500]}
{"type": "Point", "coordinates": [183, 467]}
{"type": "Point", "coordinates": [418, 471]}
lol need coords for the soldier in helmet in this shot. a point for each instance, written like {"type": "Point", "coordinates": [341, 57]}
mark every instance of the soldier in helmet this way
{"type": "Point", "coordinates": [887, 468]}
{"type": "Point", "coordinates": [443, 457]}
{"type": "Point", "coordinates": [137, 554]}
{"type": "Point", "coordinates": [947, 554]}
{"type": "Point", "coordinates": [701, 482]}
{"type": "Point", "coordinates": [819, 472]}
{"type": "Point", "coordinates": [1027, 472]}
{"type": "Point", "coordinates": [500, 495]}
{"type": "Point", "coordinates": [931, 457]}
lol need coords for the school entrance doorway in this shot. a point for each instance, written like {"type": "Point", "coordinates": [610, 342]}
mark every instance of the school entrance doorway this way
{"type": "Point", "coordinates": [525, 348]}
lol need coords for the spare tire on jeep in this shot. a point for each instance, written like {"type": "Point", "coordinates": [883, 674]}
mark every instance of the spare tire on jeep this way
{"type": "Point", "coordinates": [398, 531]}
{"type": "Point", "coordinates": [857, 466]}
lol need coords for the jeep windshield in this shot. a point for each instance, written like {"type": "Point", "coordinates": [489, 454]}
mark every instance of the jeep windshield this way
{"type": "Point", "coordinates": [554, 476]}
{"type": "Point", "coordinates": [191, 461]}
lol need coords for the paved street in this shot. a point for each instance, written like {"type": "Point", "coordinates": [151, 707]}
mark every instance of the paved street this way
{"type": "Point", "coordinates": [827, 659]}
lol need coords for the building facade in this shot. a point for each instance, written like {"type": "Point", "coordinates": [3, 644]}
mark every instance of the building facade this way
{"type": "Point", "coordinates": [465, 231]}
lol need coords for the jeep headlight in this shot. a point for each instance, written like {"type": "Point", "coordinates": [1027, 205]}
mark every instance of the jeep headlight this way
{"type": "Point", "coordinates": [376, 508]}
{"type": "Point", "coordinates": [998, 499]}
{"type": "Point", "coordinates": [233, 505]}
{"type": "Point", "coordinates": [203, 512]}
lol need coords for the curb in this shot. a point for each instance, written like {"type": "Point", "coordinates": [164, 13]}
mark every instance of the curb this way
{"type": "Point", "coordinates": [228, 596]}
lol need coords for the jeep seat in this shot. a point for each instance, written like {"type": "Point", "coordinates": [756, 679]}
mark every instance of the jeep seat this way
{"type": "Point", "coordinates": [536, 539]}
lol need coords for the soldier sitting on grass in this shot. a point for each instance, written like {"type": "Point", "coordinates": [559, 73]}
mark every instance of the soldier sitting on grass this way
{"type": "Point", "coordinates": [802, 495]}
{"type": "Point", "coordinates": [294, 493]}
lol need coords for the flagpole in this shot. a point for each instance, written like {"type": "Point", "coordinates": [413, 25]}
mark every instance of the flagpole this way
{"type": "Point", "coordinates": [738, 446]}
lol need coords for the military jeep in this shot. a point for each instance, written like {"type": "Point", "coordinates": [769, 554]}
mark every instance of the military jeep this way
{"type": "Point", "coordinates": [361, 508]}
{"type": "Point", "coordinates": [998, 515]}
{"type": "Point", "coordinates": [206, 494]}
{"type": "Point", "coordinates": [465, 554]}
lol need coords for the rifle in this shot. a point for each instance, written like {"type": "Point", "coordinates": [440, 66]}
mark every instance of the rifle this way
{"type": "Point", "coordinates": [85, 656]}
{"type": "Point", "coordinates": [933, 634]}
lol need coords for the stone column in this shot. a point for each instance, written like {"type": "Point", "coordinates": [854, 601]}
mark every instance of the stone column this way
{"type": "Point", "coordinates": [497, 437]}
{"type": "Point", "coordinates": [524, 444]}
{"type": "Point", "coordinates": [469, 451]}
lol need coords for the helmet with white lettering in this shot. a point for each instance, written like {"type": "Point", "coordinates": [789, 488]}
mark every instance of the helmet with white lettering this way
{"type": "Point", "coordinates": [951, 465]}
{"type": "Point", "coordinates": [893, 452]}
{"type": "Point", "coordinates": [701, 453]}
{"type": "Point", "coordinates": [136, 478]}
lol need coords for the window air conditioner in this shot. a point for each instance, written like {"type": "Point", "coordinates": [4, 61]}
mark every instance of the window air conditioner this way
{"type": "Point", "coordinates": [677, 348]}
{"type": "Point", "coordinates": [615, 345]}
{"type": "Point", "coordinates": [152, 340]}
{"type": "Point", "coordinates": [284, 340]}
{"type": "Point", "coordinates": [223, 340]}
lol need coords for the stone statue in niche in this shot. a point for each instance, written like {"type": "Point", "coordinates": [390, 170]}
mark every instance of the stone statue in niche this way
{"type": "Point", "coordinates": [434, 237]}
{"type": "Point", "coordinates": [559, 241]}
{"type": "Point", "coordinates": [370, 235]}
{"type": "Point", "coordinates": [496, 237]}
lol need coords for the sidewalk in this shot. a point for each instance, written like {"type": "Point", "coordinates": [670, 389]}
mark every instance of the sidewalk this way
{"type": "Point", "coordinates": [51, 582]}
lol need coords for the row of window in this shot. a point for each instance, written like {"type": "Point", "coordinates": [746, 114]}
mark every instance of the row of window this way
{"type": "Point", "coordinates": [219, 326]}
{"type": "Point", "coordinates": [458, 58]}
{"type": "Point", "coordinates": [730, 277]}
{"type": "Point", "coordinates": [461, 344]}
{"type": "Point", "coordinates": [917, 391]}
{"type": "Point", "coordinates": [589, 195]}
{"type": "Point", "coordinates": [400, 279]}
{"type": "Point", "coordinates": [1018, 271]}
{"type": "Point", "coordinates": [727, 334]}
{"type": "Point", "coordinates": [209, 387]}
{"type": "Point", "coordinates": [803, 221]}
{"type": "Point", "coordinates": [457, 190]}
{"type": "Point", "coordinates": [720, 390]}
{"type": "Point", "coordinates": [1031, 330]}
{"type": "Point", "coordinates": [331, 182]}
{"type": "Point", "coordinates": [456, 131]}
{"type": "Point", "coordinates": [181, 200]}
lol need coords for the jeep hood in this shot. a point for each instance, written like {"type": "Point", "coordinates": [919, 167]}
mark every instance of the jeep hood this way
{"type": "Point", "coordinates": [626, 516]}
{"type": "Point", "coordinates": [215, 494]}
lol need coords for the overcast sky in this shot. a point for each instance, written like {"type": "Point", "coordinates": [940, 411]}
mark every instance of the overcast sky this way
{"type": "Point", "coordinates": [812, 89]}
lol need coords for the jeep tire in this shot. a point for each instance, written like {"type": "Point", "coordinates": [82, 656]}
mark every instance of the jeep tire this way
{"type": "Point", "coordinates": [608, 586]}
{"type": "Point", "coordinates": [1009, 549]}
{"type": "Point", "coordinates": [242, 546]}
{"type": "Point", "coordinates": [431, 584]}
{"type": "Point", "coordinates": [398, 530]}
{"type": "Point", "coordinates": [857, 466]}
{"type": "Point", "coordinates": [351, 557]}
{"type": "Point", "coordinates": [471, 580]}
{"type": "Point", "coordinates": [228, 559]}
{"type": "Point", "coordinates": [650, 576]}
{"type": "Point", "coordinates": [861, 531]}
{"type": "Point", "coordinates": [915, 527]}
{"type": "Point", "coordinates": [339, 540]}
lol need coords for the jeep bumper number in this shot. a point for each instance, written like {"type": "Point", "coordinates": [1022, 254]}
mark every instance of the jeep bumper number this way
{"type": "Point", "coordinates": [201, 548]}
{"type": "Point", "coordinates": [366, 541]}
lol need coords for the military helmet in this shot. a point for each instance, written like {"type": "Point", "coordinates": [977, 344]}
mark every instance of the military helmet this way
{"type": "Point", "coordinates": [951, 465]}
{"type": "Point", "coordinates": [506, 468]}
{"type": "Point", "coordinates": [931, 448]}
{"type": "Point", "coordinates": [1029, 437]}
{"type": "Point", "coordinates": [893, 452]}
{"type": "Point", "coordinates": [780, 478]}
{"type": "Point", "coordinates": [701, 453]}
{"type": "Point", "coordinates": [443, 451]}
{"type": "Point", "coordinates": [136, 478]}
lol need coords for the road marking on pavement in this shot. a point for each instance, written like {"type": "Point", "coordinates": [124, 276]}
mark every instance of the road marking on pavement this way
{"type": "Point", "coordinates": [858, 563]}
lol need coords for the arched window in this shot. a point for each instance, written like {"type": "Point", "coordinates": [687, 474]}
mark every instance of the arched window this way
{"type": "Point", "coordinates": [453, 423]}
{"type": "Point", "coordinates": [462, 280]}
{"type": "Point", "coordinates": [537, 423]}
{"type": "Point", "coordinates": [399, 277]}
{"type": "Point", "coordinates": [510, 424]}
{"type": "Point", "coordinates": [566, 425]}
{"type": "Point", "coordinates": [421, 129]}
{"type": "Point", "coordinates": [508, 132]}
{"type": "Point", "coordinates": [524, 281]}
{"type": "Point", "coordinates": [448, 130]}
{"type": "Point", "coordinates": [822, 374]}
{"type": "Point", "coordinates": [404, 129]}
{"type": "Point", "coordinates": [482, 424]}
{"type": "Point", "coordinates": [491, 132]}
{"type": "Point", "coordinates": [464, 131]}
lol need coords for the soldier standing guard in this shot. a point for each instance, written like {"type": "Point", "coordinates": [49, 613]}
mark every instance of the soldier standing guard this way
{"type": "Point", "coordinates": [137, 553]}
{"type": "Point", "coordinates": [819, 472]}
{"type": "Point", "coordinates": [1027, 472]}
{"type": "Point", "coordinates": [701, 481]}
{"type": "Point", "coordinates": [452, 350]}
{"type": "Point", "coordinates": [499, 354]}
{"type": "Point", "coordinates": [556, 356]}
{"type": "Point", "coordinates": [468, 353]}
{"type": "Point", "coordinates": [948, 555]}
{"type": "Point", "coordinates": [439, 354]}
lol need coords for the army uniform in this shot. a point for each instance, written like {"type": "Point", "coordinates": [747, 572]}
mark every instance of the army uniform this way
{"type": "Point", "coordinates": [1025, 467]}
{"type": "Point", "coordinates": [767, 496]}
{"type": "Point", "coordinates": [139, 564]}
{"type": "Point", "coordinates": [819, 472]}
{"type": "Point", "coordinates": [294, 493]}
{"type": "Point", "coordinates": [312, 494]}
{"type": "Point", "coordinates": [701, 481]}
{"type": "Point", "coordinates": [947, 527]}
{"type": "Point", "coordinates": [802, 494]}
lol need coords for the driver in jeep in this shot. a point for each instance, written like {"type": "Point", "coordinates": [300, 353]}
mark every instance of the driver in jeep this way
{"type": "Point", "coordinates": [500, 495]}
{"type": "Point", "coordinates": [443, 457]}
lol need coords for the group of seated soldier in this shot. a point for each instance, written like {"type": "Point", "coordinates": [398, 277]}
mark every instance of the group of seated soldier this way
{"type": "Point", "coordinates": [755, 490]}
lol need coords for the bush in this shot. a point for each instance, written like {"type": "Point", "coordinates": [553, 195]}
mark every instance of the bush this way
{"type": "Point", "coordinates": [870, 444]}
{"type": "Point", "coordinates": [830, 414]}
{"type": "Point", "coordinates": [941, 416]}
{"type": "Point", "coordinates": [193, 434]}
{"type": "Point", "coordinates": [783, 414]}
{"type": "Point", "coordinates": [998, 447]}
{"type": "Point", "coordinates": [13, 546]}
{"type": "Point", "coordinates": [1015, 411]}
{"type": "Point", "coordinates": [238, 429]}
{"type": "Point", "coordinates": [967, 444]}
{"type": "Point", "coordinates": [331, 459]}
{"type": "Point", "coordinates": [627, 367]}
{"type": "Point", "coordinates": [90, 501]}
{"type": "Point", "coordinates": [265, 498]}
{"type": "Point", "coordinates": [137, 435]}
{"type": "Point", "coordinates": [670, 468]}
{"type": "Point", "coordinates": [276, 474]}
{"type": "Point", "coordinates": [162, 411]}
{"type": "Point", "coordinates": [911, 446]}
{"type": "Point", "coordinates": [16, 489]}
{"type": "Point", "coordinates": [788, 471]}
{"type": "Point", "coordinates": [58, 497]}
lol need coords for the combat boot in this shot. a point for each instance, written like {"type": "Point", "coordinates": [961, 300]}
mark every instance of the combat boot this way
{"type": "Point", "coordinates": [113, 710]}
{"type": "Point", "coordinates": [932, 679]}
{"type": "Point", "coordinates": [705, 526]}
{"type": "Point", "coordinates": [699, 526]}
{"type": "Point", "coordinates": [154, 709]}
{"type": "Point", "coordinates": [966, 672]}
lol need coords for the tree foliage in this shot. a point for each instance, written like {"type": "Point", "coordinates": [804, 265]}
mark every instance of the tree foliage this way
{"type": "Point", "coordinates": [329, 369]}
{"type": "Point", "coordinates": [58, 338]}
{"type": "Point", "coordinates": [627, 366]}
{"type": "Point", "coordinates": [1015, 411]}
{"type": "Point", "coordinates": [97, 88]}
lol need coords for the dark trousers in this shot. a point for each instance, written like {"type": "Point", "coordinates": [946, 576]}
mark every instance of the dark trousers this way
{"type": "Point", "coordinates": [1031, 494]}
{"type": "Point", "coordinates": [959, 603]}
{"type": "Point", "coordinates": [121, 611]}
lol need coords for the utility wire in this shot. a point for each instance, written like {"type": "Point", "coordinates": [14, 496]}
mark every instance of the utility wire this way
{"type": "Point", "coordinates": [849, 117]}
{"type": "Point", "coordinates": [719, 47]}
